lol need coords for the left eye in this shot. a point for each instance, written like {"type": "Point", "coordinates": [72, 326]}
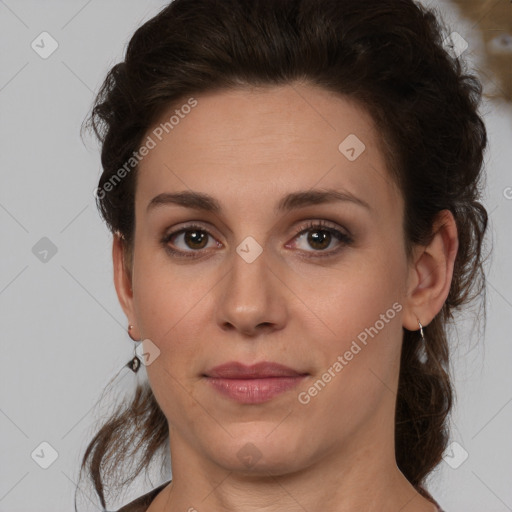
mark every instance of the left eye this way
{"type": "Point", "coordinates": [320, 237]}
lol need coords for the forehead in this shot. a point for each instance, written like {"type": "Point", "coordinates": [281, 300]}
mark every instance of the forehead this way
{"type": "Point", "coordinates": [260, 142]}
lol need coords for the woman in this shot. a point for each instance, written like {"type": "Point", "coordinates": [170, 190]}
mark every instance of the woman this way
{"type": "Point", "coordinates": [293, 192]}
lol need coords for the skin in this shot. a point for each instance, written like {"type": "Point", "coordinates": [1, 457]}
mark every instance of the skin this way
{"type": "Point", "coordinates": [248, 148]}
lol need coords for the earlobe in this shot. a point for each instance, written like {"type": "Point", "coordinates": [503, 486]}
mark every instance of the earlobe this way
{"type": "Point", "coordinates": [431, 273]}
{"type": "Point", "coordinates": [122, 278]}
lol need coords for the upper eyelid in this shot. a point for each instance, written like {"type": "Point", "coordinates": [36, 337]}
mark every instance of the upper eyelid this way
{"type": "Point", "coordinates": [304, 226]}
{"type": "Point", "coordinates": [188, 227]}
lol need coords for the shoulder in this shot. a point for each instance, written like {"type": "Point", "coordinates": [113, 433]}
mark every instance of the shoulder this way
{"type": "Point", "coordinates": [142, 503]}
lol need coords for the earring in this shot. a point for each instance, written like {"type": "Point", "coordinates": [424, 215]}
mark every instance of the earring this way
{"type": "Point", "coordinates": [134, 363]}
{"type": "Point", "coordinates": [130, 327]}
{"type": "Point", "coordinates": [422, 349]}
{"type": "Point", "coordinates": [421, 331]}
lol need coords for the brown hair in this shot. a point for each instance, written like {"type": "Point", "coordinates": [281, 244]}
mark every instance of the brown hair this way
{"type": "Point", "coordinates": [388, 55]}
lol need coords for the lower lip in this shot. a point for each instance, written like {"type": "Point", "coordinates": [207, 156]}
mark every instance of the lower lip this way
{"type": "Point", "coordinates": [254, 391]}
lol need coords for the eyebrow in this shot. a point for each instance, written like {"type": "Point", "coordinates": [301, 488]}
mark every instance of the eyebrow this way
{"type": "Point", "coordinates": [292, 201]}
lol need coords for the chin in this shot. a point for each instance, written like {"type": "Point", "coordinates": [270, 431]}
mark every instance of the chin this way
{"type": "Point", "coordinates": [261, 453]}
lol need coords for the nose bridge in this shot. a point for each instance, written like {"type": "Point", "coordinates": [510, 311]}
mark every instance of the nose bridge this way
{"type": "Point", "coordinates": [251, 297]}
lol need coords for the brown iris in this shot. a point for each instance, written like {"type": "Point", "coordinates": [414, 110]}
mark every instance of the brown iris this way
{"type": "Point", "coordinates": [193, 237]}
{"type": "Point", "coordinates": [320, 236]}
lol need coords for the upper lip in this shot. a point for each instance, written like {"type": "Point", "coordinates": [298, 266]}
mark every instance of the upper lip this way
{"type": "Point", "coordinates": [236, 370]}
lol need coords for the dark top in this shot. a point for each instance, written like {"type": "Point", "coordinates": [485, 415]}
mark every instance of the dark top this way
{"type": "Point", "coordinates": [142, 503]}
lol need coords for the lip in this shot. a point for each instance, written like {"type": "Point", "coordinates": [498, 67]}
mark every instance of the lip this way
{"type": "Point", "coordinates": [265, 369]}
{"type": "Point", "coordinates": [254, 384]}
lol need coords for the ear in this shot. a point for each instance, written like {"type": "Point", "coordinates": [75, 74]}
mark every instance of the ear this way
{"type": "Point", "coordinates": [431, 272]}
{"type": "Point", "coordinates": [123, 282]}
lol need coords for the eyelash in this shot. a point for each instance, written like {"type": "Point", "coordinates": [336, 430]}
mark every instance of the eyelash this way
{"type": "Point", "coordinates": [344, 239]}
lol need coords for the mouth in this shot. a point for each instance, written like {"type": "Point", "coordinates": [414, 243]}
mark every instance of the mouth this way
{"type": "Point", "coordinates": [253, 384]}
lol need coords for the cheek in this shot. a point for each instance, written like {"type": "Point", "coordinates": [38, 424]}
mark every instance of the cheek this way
{"type": "Point", "coordinates": [164, 292]}
{"type": "Point", "coordinates": [359, 353]}
{"type": "Point", "coordinates": [354, 295]}
{"type": "Point", "coordinates": [167, 302]}
{"type": "Point", "coordinates": [164, 299]}
{"type": "Point", "coordinates": [360, 307]}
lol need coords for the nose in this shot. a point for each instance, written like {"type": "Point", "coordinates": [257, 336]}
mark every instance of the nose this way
{"type": "Point", "coordinates": [252, 299]}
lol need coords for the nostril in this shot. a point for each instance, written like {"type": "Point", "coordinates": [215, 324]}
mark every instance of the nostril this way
{"type": "Point", "coordinates": [264, 324]}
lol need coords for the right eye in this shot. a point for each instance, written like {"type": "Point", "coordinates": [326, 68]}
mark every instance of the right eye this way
{"type": "Point", "coordinates": [193, 237]}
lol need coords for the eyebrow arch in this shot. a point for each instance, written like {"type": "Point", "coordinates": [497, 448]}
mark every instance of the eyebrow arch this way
{"type": "Point", "coordinates": [292, 201]}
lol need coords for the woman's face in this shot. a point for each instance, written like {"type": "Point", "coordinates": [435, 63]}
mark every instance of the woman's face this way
{"type": "Point", "coordinates": [246, 276]}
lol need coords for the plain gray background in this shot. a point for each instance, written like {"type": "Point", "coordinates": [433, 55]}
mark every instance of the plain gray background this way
{"type": "Point", "coordinates": [63, 332]}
